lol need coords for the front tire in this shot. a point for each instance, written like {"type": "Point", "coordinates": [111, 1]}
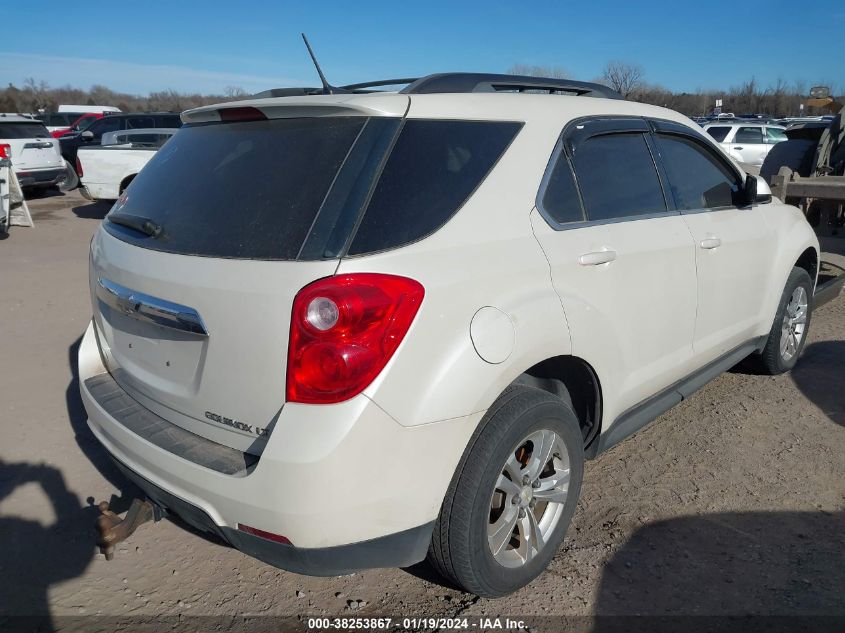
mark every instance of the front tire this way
{"type": "Point", "coordinates": [791, 326]}
{"type": "Point", "coordinates": [513, 495]}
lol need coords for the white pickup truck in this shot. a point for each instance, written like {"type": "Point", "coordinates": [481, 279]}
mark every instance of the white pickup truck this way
{"type": "Point", "coordinates": [106, 170]}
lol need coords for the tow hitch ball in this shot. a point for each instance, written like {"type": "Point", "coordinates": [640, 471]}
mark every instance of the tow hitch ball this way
{"type": "Point", "coordinates": [111, 529]}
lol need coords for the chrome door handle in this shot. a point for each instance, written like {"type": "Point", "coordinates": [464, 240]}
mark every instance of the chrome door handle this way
{"type": "Point", "coordinates": [711, 242]}
{"type": "Point", "coordinates": [599, 257]}
{"type": "Point", "coordinates": [739, 148]}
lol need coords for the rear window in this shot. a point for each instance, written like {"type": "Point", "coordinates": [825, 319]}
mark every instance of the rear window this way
{"type": "Point", "coordinates": [243, 190]}
{"type": "Point", "coordinates": [718, 133]}
{"type": "Point", "coordinates": [296, 188]}
{"type": "Point", "coordinates": [23, 130]}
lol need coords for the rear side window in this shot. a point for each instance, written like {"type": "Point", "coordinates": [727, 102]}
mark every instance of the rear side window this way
{"type": "Point", "coordinates": [719, 133]}
{"type": "Point", "coordinates": [139, 122]}
{"type": "Point", "coordinates": [775, 135]}
{"type": "Point", "coordinates": [697, 179]}
{"type": "Point", "coordinates": [752, 135]}
{"type": "Point", "coordinates": [432, 170]}
{"type": "Point", "coordinates": [23, 130]}
{"type": "Point", "coordinates": [560, 199]}
{"type": "Point", "coordinates": [617, 177]}
{"type": "Point", "coordinates": [243, 190]}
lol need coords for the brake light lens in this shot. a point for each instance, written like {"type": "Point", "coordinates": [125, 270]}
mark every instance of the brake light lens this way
{"type": "Point", "coordinates": [79, 168]}
{"type": "Point", "coordinates": [248, 113]}
{"type": "Point", "coordinates": [344, 330]}
{"type": "Point", "coordinates": [5, 150]}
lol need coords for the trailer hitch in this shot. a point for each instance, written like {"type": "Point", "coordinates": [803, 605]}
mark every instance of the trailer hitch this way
{"type": "Point", "coordinates": [111, 529]}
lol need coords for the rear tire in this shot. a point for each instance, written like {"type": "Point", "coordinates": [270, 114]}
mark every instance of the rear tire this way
{"type": "Point", "coordinates": [791, 326]}
{"type": "Point", "coordinates": [71, 180]}
{"type": "Point", "coordinates": [523, 467]}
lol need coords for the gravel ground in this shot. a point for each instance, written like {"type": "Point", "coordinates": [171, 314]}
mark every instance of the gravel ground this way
{"type": "Point", "coordinates": [732, 503]}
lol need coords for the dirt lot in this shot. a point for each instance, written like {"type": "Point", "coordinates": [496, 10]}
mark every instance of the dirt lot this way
{"type": "Point", "coordinates": [733, 503]}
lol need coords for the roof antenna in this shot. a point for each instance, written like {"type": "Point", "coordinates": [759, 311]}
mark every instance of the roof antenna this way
{"type": "Point", "coordinates": [328, 89]}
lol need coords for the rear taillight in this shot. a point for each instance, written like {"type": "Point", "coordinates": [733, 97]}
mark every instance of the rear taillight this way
{"type": "Point", "coordinates": [343, 331]}
{"type": "Point", "coordinates": [78, 168]}
{"type": "Point", "coordinates": [5, 150]}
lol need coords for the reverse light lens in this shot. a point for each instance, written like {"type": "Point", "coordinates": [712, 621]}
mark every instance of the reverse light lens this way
{"type": "Point", "coordinates": [5, 150]}
{"type": "Point", "coordinates": [322, 313]}
{"type": "Point", "coordinates": [344, 330]}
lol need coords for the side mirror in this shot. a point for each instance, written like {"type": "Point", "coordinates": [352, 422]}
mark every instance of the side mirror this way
{"type": "Point", "coordinates": [756, 191]}
{"type": "Point", "coordinates": [87, 135]}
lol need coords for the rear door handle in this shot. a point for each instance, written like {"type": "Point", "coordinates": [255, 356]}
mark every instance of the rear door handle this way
{"type": "Point", "coordinates": [599, 257]}
{"type": "Point", "coordinates": [711, 242]}
{"type": "Point", "coordinates": [739, 148]}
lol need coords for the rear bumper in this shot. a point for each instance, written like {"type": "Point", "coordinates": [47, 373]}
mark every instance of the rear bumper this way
{"type": "Point", "coordinates": [346, 484]}
{"type": "Point", "coordinates": [394, 550]}
{"type": "Point", "coordinates": [40, 177]}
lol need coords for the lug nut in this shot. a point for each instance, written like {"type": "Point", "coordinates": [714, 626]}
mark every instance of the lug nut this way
{"type": "Point", "coordinates": [514, 500]}
{"type": "Point", "coordinates": [532, 503]}
{"type": "Point", "coordinates": [522, 513]}
{"type": "Point", "coordinates": [525, 480]}
{"type": "Point", "coordinates": [535, 483]}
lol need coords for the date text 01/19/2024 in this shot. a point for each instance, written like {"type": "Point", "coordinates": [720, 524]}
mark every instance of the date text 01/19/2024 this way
{"type": "Point", "coordinates": [442, 623]}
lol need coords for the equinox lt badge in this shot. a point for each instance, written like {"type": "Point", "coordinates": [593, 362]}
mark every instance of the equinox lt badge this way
{"type": "Point", "coordinates": [241, 426]}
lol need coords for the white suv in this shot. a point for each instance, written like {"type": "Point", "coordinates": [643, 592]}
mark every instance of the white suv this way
{"type": "Point", "coordinates": [355, 330]}
{"type": "Point", "coordinates": [35, 154]}
{"type": "Point", "coordinates": [747, 142]}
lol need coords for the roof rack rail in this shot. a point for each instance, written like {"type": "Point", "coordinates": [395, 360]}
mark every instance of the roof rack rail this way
{"type": "Point", "coordinates": [483, 82]}
{"type": "Point", "coordinates": [380, 82]}
{"type": "Point", "coordinates": [460, 83]}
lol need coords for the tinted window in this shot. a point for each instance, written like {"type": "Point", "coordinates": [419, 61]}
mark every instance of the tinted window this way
{"type": "Point", "coordinates": [617, 177]}
{"type": "Point", "coordinates": [775, 135]}
{"type": "Point", "coordinates": [169, 120]}
{"type": "Point", "coordinates": [23, 130]}
{"type": "Point", "coordinates": [106, 124]}
{"type": "Point", "coordinates": [718, 133]}
{"type": "Point", "coordinates": [560, 199]}
{"type": "Point", "coordinates": [139, 122]}
{"type": "Point", "coordinates": [697, 179]}
{"type": "Point", "coordinates": [243, 190]}
{"type": "Point", "coordinates": [432, 169]}
{"type": "Point", "coordinates": [752, 135]}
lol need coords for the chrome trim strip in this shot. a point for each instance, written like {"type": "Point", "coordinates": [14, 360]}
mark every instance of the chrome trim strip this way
{"type": "Point", "coordinates": [150, 309]}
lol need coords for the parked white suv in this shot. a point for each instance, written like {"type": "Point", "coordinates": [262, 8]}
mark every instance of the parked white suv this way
{"type": "Point", "coordinates": [34, 153]}
{"type": "Point", "coordinates": [355, 330]}
{"type": "Point", "coordinates": [747, 142]}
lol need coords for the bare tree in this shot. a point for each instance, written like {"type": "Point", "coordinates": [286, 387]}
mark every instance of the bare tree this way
{"type": "Point", "coordinates": [554, 72]}
{"type": "Point", "coordinates": [234, 92]}
{"type": "Point", "coordinates": [623, 77]}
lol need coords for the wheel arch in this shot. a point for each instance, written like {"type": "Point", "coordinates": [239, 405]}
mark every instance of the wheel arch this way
{"type": "Point", "coordinates": [809, 261]}
{"type": "Point", "coordinates": [573, 380]}
{"type": "Point", "coordinates": [125, 183]}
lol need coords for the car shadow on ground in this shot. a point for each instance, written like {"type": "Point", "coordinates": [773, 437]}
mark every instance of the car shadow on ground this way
{"type": "Point", "coordinates": [92, 210]}
{"type": "Point", "coordinates": [820, 375]}
{"type": "Point", "coordinates": [42, 194]}
{"type": "Point", "coordinates": [730, 564]}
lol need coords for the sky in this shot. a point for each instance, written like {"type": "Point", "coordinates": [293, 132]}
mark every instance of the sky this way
{"type": "Point", "coordinates": [191, 46]}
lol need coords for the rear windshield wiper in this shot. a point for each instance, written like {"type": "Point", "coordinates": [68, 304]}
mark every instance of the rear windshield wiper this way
{"type": "Point", "coordinates": [136, 222]}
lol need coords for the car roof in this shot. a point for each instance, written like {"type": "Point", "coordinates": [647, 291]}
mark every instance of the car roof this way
{"type": "Point", "coordinates": [16, 118]}
{"type": "Point", "coordinates": [743, 124]}
{"type": "Point", "coordinates": [492, 106]}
